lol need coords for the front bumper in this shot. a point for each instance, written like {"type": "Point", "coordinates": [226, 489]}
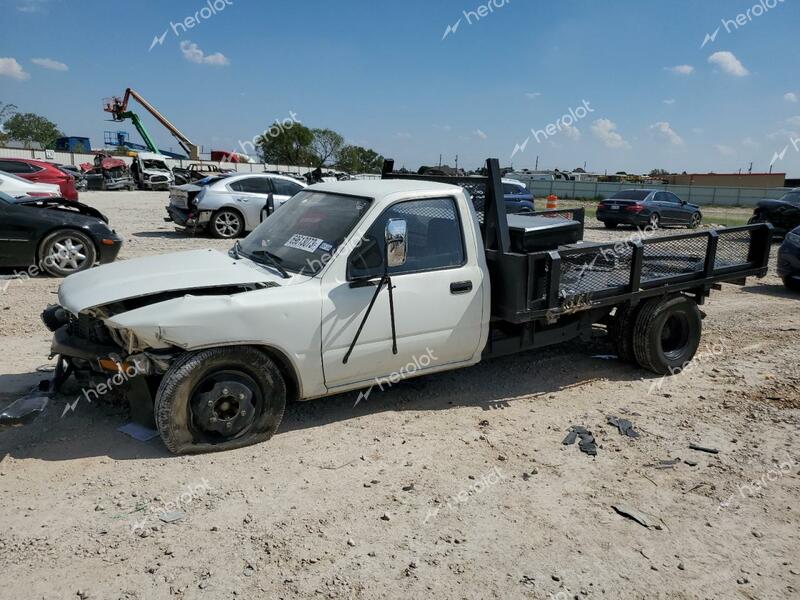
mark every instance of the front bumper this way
{"type": "Point", "coordinates": [107, 253]}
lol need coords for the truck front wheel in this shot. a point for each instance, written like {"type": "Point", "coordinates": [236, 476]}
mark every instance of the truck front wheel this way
{"type": "Point", "coordinates": [219, 399]}
{"type": "Point", "coordinates": [667, 334]}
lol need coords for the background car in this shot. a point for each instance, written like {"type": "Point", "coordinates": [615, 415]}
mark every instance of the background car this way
{"type": "Point", "coordinates": [229, 205]}
{"type": "Point", "coordinates": [789, 260]}
{"type": "Point", "coordinates": [77, 174]}
{"type": "Point", "coordinates": [652, 208]}
{"type": "Point", "coordinates": [61, 237]}
{"type": "Point", "coordinates": [518, 198]}
{"type": "Point", "coordinates": [39, 171]}
{"type": "Point", "coordinates": [17, 186]}
{"type": "Point", "coordinates": [783, 214]}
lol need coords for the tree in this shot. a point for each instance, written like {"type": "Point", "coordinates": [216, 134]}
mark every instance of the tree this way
{"type": "Point", "coordinates": [355, 159]}
{"type": "Point", "coordinates": [659, 173]}
{"type": "Point", "coordinates": [287, 145]}
{"type": "Point", "coordinates": [29, 127]}
{"type": "Point", "coordinates": [6, 110]}
{"type": "Point", "coordinates": [326, 146]}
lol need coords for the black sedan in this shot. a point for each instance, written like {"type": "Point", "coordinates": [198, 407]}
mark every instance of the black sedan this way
{"type": "Point", "coordinates": [651, 208]}
{"type": "Point", "coordinates": [55, 235]}
{"type": "Point", "coordinates": [784, 214]}
{"type": "Point", "coordinates": [789, 260]}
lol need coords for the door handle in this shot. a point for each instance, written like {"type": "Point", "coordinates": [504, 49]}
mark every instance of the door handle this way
{"type": "Point", "coordinates": [460, 287]}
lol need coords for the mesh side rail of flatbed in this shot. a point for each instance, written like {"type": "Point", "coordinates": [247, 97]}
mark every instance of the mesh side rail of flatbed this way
{"type": "Point", "coordinates": [606, 269]}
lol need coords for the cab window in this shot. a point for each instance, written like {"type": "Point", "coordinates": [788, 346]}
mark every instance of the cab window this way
{"type": "Point", "coordinates": [434, 239]}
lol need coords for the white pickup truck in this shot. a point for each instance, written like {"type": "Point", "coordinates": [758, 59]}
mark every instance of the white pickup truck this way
{"type": "Point", "coordinates": [359, 282]}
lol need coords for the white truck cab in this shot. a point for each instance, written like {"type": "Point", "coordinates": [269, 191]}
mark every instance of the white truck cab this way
{"type": "Point", "coordinates": [289, 302]}
{"type": "Point", "coordinates": [150, 171]}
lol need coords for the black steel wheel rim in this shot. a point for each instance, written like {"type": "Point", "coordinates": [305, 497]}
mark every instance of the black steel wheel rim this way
{"type": "Point", "coordinates": [225, 405]}
{"type": "Point", "coordinates": [675, 336]}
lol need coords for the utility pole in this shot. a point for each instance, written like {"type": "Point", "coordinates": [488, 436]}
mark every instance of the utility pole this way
{"type": "Point", "coordinates": [537, 163]}
{"type": "Point", "coordinates": [440, 161]}
{"type": "Point", "coordinates": [456, 164]}
{"type": "Point", "coordinates": [750, 170]}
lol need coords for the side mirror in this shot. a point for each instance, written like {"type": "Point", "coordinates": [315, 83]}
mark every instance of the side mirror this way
{"type": "Point", "coordinates": [396, 250]}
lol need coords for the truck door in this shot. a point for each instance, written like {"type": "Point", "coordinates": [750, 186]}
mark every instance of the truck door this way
{"type": "Point", "coordinates": [438, 298]}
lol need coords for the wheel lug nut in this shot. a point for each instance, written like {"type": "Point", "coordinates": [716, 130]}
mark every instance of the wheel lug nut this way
{"type": "Point", "coordinates": [225, 391]}
{"type": "Point", "coordinates": [228, 426]}
{"type": "Point", "coordinates": [241, 396]}
{"type": "Point", "coordinates": [243, 413]}
{"type": "Point", "coordinates": [211, 403]}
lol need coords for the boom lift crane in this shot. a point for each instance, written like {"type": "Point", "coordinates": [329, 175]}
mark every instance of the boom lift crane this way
{"type": "Point", "coordinates": [119, 112]}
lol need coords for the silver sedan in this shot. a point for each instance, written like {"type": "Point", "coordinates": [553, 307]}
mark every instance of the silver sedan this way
{"type": "Point", "coordinates": [227, 206]}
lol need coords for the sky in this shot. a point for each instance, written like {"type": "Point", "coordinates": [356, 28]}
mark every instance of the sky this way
{"type": "Point", "coordinates": [618, 85]}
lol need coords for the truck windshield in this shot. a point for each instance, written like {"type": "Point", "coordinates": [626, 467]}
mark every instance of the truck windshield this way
{"type": "Point", "coordinates": [305, 233]}
{"type": "Point", "coordinates": [792, 197]}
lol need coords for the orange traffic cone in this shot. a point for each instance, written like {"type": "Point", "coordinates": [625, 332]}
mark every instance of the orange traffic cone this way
{"type": "Point", "coordinates": [552, 202]}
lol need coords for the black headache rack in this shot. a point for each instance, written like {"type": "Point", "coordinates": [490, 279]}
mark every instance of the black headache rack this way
{"type": "Point", "coordinates": [576, 278]}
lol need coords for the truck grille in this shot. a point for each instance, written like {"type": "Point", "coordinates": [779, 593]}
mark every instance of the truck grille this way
{"type": "Point", "coordinates": [90, 329]}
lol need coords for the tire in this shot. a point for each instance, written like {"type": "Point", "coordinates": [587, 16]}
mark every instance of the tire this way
{"type": "Point", "coordinates": [666, 334]}
{"type": "Point", "coordinates": [695, 220]}
{"type": "Point", "coordinates": [620, 332]}
{"type": "Point", "coordinates": [67, 251]}
{"type": "Point", "coordinates": [226, 224]}
{"type": "Point", "coordinates": [655, 221]}
{"type": "Point", "coordinates": [791, 284]}
{"type": "Point", "coordinates": [197, 406]}
{"type": "Point", "coordinates": [609, 225]}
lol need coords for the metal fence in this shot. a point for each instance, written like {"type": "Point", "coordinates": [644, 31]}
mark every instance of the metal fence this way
{"type": "Point", "coordinates": [702, 195]}
{"type": "Point", "coordinates": [72, 158]}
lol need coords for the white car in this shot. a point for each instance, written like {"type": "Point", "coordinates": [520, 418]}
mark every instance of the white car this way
{"type": "Point", "coordinates": [17, 187]}
{"type": "Point", "coordinates": [229, 205]}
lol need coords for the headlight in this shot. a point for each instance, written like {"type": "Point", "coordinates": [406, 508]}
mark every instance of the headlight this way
{"type": "Point", "coordinates": [793, 237]}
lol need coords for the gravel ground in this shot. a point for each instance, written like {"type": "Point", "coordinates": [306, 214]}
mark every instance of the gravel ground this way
{"type": "Point", "coordinates": [450, 486]}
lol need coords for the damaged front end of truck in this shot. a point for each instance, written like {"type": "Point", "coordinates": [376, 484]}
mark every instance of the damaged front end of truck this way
{"type": "Point", "coordinates": [118, 329]}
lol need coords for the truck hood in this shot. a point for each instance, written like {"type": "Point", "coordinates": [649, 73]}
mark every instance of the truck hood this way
{"type": "Point", "coordinates": [180, 271]}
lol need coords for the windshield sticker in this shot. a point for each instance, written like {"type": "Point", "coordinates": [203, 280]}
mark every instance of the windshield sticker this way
{"type": "Point", "coordinates": [326, 247]}
{"type": "Point", "coordinates": [303, 242]}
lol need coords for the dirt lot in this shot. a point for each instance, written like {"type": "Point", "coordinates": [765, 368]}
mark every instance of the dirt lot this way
{"type": "Point", "coordinates": [451, 486]}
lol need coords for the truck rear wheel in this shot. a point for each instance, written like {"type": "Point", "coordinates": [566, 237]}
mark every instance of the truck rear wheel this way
{"type": "Point", "coordinates": [666, 334]}
{"type": "Point", "coordinates": [219, 399]}
{"type": "Point", "coordinates": [620, 332]}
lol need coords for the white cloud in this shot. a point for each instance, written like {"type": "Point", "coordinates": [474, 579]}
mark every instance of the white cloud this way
{"type": "Point", "coordinates": [669, 101]}
{"type": "Point", "coordinates": [698, 130]}
{"type": "Point", "coordinates": [725, 150]}
{"type": "Point", "coordinates": [49, 63]}
{"type": "Point", "coordinates": [749, 142]}
{"type": "Point", "coordinates": [402, 135]}
{"type": "Point", "coordinates": [193, 53]}
{"type": "Point", "coordinates": [728, 62]}
{"type": "Point", "coordinates": [32, 6]}
{"type": "Point", "coordinates": [11, 68]}
{"type": "Point", "coordinates": [790, 97]}
{"type": "Point", "coordinates": [533, 95]}
{"type": "Point", "coordinates": [572, 132]}
{"type": "Point", "coordinates": [664, 128]}
{"type": "Point", "coordinates": [681, 69]}
{"type": "Point", "coordinates": [480, 134]}
{"type": "Point", "coordinates": [604, 130]}
{"type": "Point", "coordinates": [793, 121]}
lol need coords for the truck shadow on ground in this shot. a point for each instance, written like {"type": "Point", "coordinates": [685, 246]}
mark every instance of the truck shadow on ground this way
{"type": "Point", "coordinates": [166, 234]}
{"type": "Point", "coordinates": [89, 430]}
{"type": "Point", "coordinates": [774, 290]}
